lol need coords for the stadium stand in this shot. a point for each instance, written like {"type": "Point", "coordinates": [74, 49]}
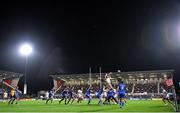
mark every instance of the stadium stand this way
{"type": "Point", "coordinates": [141, 82]}
{"type": "Point", "coordinates": [10, 78]}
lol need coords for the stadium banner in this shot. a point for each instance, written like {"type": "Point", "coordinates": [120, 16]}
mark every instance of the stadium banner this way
{"type": "Point", "coordinates": [7, 81]}
{"type": "Point", "coordinates": [169, 82]}
{"type": "Point", "coordinates": [57, 83]}
{"type": "Point", "coordinates": [14, 82]}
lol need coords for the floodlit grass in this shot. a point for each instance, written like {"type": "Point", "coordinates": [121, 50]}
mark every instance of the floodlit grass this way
{"type": "Point", "coordinates": [131, 106]}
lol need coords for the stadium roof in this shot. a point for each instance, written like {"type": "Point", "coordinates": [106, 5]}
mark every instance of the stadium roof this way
{"type": "Point", "coordinates": [125, 75]}
{"type": "Point", "coordinates": [9, 75]}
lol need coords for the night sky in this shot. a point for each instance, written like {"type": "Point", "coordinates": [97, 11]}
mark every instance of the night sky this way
{"type": "Point", "coordinates": [71, 37]}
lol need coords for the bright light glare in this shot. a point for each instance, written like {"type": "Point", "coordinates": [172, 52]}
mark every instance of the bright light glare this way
{"type": "Point", "coordinates": [26, 49]}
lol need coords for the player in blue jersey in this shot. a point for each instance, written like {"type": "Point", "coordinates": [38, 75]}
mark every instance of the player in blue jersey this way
{"type": "Point", "coordinates": [72, 95]}
{"type": "Point", "coordinates": [18, 94]}
{"type": "Point", "coordinates": [99, 96]}
{"type": "Point", "coordinates": [50, 96]}
{"type": "Point", "coordinates": [88, 95]}
{"type": "Point", "coordinates": [111, 94]}
{"type": "Point", "coordinates": [65, 95]}
{"type": "Point", "coordinates": [121, 94]}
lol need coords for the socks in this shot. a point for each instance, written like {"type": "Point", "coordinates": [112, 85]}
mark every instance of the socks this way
{"type": "Point", "coordinates": [121, 104]}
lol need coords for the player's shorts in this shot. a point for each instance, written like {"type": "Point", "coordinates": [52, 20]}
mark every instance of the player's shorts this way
{"type": "Point", "coordinates": [66, 95]}
{"type": "Point", "coordinates": [63, 96]}
{"type": "Point", "coordinates": [88, 96]}
{"type": "Point", "coordinates": [110, 96]}
{"type": "Point", "coordinates": [99, 96]}
{"type": "Point", "coordinates": [167, 96]}
{"type": "Point", "coordinates": [71, 96]}
{"type": "Point", "coordinates": [51, 97]}
{"type": "Point", "coordinates": [105, 94]}
{"type": "Point", "coordinates": [121, 95]}
{"type": "Point", "coordinates": [80, 96]}
{"type": "Point", "coordinates": [74, 96]}
{"type": "Point", "coordinates": [13, 96]}
{"type": "Point", "coordinates": [116, 95]}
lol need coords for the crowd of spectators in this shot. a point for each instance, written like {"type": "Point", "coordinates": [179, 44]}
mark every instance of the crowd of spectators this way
{"type": "Point", "coordinates": [131, 88]}
{"type": "Point", "coordinates": [149, 88]}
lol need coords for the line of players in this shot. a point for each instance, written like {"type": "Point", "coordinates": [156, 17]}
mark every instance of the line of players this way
{"type": "Point", "coordinates": [109, 93]}
{"type": "Point", "coordinates": [69, 95]}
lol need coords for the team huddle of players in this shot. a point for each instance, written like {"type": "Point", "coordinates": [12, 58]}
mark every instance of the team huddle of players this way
{"type": "Point", "coordinates": [105, 94]}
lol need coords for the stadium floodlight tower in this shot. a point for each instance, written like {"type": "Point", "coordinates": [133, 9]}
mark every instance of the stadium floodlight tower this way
{"type": "Point", "coordinates": [25, 50]}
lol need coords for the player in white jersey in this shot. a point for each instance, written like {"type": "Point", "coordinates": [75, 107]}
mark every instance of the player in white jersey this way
{"type": "Point", "coordinates": [108, 80]}
{"type": "Point", "coordinates": [165, 96]}
{"type": "Point", "coordinates": [116, 93]}
{"type": "Point", "coordinates": [80, 95]}
{"type": "Point", "coordinates": [105, 95]}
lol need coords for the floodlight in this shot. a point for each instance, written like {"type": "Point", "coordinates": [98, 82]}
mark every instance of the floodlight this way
{"type": "Point", "coordinates": [26, 49]}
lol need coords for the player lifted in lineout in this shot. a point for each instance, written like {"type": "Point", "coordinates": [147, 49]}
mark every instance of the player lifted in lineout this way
{"type": "Point", "coordinates": [108, 79]}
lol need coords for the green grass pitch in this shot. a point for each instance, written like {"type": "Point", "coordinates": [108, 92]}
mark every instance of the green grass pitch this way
{"type": "Point", "coordinates": [131, 106]}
